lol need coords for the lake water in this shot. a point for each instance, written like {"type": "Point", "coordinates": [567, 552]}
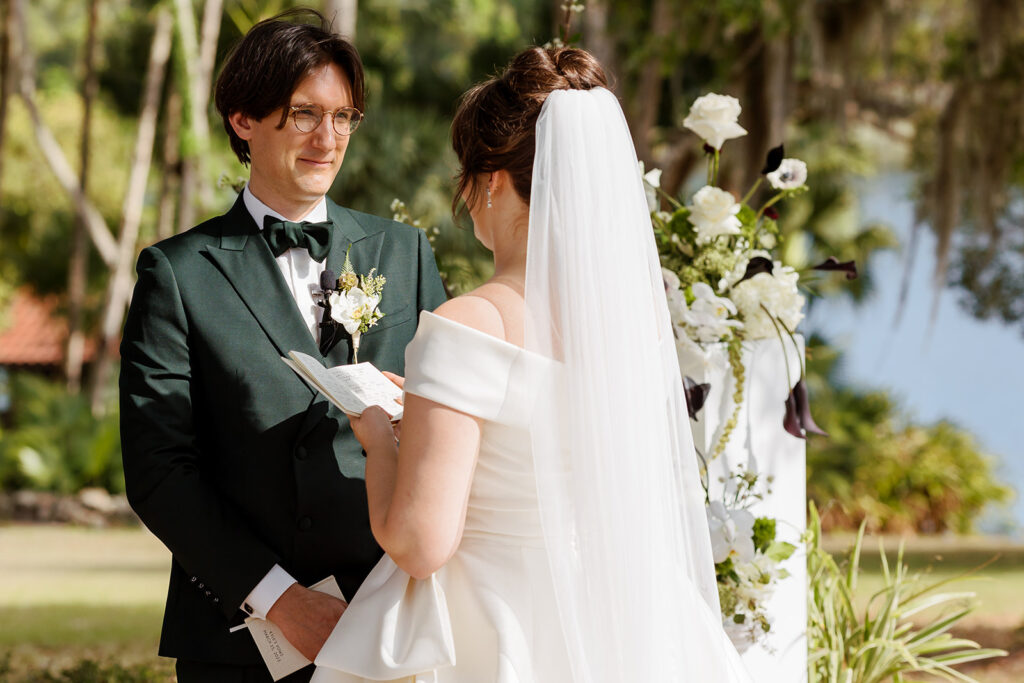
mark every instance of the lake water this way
{"type": "Point", "coordinates": [958, 368]}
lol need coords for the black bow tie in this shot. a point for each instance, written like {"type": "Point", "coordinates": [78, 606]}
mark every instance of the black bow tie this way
{"type": "Point", "coordinates": [285, 235]}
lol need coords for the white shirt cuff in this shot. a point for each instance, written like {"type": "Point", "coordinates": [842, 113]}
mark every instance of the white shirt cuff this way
{"type": "Point", "coordinates": [267, 591]}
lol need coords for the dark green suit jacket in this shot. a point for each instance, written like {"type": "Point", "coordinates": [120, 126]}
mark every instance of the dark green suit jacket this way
{"type": "Point", "coordinates": [229, 457]}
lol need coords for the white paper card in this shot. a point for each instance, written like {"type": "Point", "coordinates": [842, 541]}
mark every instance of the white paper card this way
{"type": "Point", "coordinates": [280, 656]}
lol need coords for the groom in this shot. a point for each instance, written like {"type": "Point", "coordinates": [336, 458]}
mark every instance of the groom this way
{"type": "Point", "coordinates": [253, 480]}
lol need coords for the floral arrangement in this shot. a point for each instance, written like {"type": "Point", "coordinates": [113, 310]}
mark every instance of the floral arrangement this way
{"type": "Point", "coordinates": [723, 283]}
{"type": "Point", "coordinates": [725, 286]}
{"type": "Point", "coordinates": [747, 558]}
{"type": "Point", "coordinates": [355, 303]}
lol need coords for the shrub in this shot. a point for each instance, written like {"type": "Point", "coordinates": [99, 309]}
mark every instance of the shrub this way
{"type": "Point", "coordinates": [55, 443]}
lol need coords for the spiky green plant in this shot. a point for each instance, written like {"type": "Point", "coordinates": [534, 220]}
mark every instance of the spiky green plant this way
{"type": "Point", "coordinates": [883, 642]}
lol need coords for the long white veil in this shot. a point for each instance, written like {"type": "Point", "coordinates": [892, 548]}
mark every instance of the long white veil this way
{"type": "Point", "coordinates": [621, 504]}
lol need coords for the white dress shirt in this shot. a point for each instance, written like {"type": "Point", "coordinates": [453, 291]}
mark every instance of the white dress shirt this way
{"type": "Point", "coordinates": [302, 275]}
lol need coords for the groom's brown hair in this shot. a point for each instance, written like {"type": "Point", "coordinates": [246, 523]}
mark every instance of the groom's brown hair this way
{"type": "Point", "coordinates": [265, 68]}
{"type": "Point", "coordinates": [494, 127]}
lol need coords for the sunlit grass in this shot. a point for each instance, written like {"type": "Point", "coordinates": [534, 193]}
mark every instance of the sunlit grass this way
{"type": "Point", "coordinates": [69, 593]}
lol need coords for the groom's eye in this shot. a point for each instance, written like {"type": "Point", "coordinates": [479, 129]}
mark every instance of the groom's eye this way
{"type": "Point", "coordinates": [307, 118]}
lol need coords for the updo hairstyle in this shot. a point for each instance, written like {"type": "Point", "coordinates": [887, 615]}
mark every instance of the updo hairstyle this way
{"type": "Point", "coordinates": [495, 125]}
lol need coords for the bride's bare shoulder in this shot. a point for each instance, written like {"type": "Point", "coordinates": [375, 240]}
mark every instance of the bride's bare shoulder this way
{"type": "Point", "coordinates": [474, 311]}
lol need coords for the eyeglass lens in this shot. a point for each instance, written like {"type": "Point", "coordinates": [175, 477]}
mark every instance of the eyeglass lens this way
{"type": "Point", "coordinates": [307, 118]}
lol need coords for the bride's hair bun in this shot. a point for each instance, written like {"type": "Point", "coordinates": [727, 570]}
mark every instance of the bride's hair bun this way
{"type": "Point", "coordinates": [494, 126]}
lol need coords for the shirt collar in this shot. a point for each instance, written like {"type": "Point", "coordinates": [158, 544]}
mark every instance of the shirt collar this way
{"type": "Point", "coordinates": [258, 210]}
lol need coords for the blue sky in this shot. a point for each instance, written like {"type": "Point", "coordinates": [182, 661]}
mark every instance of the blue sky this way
{"type": "Point", "coordinates": [968, 371]}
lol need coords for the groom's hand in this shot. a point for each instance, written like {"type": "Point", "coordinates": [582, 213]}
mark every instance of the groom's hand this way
{"type": "Point", "coordinates": [306, 617]}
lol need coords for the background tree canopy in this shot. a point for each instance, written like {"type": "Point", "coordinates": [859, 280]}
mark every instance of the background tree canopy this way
{"type": "Point", "coordinates": [853, 87]}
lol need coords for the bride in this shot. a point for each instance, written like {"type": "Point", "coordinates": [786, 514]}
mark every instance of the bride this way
{"type": "Point", "coordinates": [542, 516]}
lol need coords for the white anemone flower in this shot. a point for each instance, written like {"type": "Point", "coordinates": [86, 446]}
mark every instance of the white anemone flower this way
{"type": "Point", "coordinates": [791, 174]}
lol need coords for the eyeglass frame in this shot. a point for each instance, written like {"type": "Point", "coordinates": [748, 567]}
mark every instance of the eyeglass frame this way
{"type": "Point", "coordinates": [293, 109]}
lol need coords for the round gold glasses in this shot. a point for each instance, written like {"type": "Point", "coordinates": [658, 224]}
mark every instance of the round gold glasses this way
{"type": "Point", "coordinates": [308, 116]}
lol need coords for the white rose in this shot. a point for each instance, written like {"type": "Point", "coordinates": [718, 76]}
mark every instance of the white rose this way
{"type": "Point", "coordinates": [713, 117]}
{"type": "Point", "coordinates": [713, 213]}
{"type": "Point", "coordinates": [791, 174]}
{"type": "Point", "coordinates": [778, 292]}
{"type": "Point", "coordinates": [732, 533]}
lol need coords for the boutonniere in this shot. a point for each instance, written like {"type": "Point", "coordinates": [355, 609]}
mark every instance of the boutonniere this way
{"type": "Point", "coordinates": [355, 303]}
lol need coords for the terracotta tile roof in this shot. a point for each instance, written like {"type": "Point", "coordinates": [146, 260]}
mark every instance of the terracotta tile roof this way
{"type": "Point", "coordinates": [34, 334]}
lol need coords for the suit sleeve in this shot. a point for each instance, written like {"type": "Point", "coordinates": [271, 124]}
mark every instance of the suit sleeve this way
{"type": "Point", "coordinates": [431, 290]}
{"type": "Point", "coordinates": [165, 477]}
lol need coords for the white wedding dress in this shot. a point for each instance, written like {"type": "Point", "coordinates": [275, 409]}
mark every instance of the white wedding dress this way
{"type": "Point", "coordinates": [490, 614]}
{"type": "Point", "coordinates": [585, 556]}
{"type": "Point", "coordinates": [501, 620]}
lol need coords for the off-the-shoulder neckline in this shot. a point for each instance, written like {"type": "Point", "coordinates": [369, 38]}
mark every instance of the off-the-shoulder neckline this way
{"type": "Point", "coordinates": [499, 340]}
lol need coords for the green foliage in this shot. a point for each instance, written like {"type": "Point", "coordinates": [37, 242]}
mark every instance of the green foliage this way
{"type": "Point", "coordinates": [904, 628]}
{"type": "Point", "coordinates": [878, 467]}
{"type": "Point", "coordinates": [89, 671]}
{"type": "Point", "coordinates": [55, 443]}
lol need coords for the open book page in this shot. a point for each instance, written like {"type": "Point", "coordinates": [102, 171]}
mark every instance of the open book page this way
{"type": "Point", "coordinates": [280, 656]}
{"type": "Point", "coordinates": [353, 388]}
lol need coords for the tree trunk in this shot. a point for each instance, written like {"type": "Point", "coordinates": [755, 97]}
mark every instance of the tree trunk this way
{"type": "Point", "coordinates": [48, 145]}
{"type": "Point", "coordinates": [597, 41]}
{"type": "Point", "coordinates": [120, 285]}
{"type": "Point", "coordinates": [193, 83]}
{"type": "Point", "coordinates": [6, 72]}
{"type": "Point", "coordinates": [646, 100]}
{"type": "Point", "coordinates": [342, 15]}
{"type": "Point", "coordinates": [79, 259]}
{"type": "Point", "coordinates": [170, 179]}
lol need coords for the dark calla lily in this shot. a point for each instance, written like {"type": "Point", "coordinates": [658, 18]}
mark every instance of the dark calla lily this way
{"type": "Point", "coordinates": [832, 263]}
{"type": "Point", "coordinates": [758, 264]}
{"type": "Point", "coordinates": [773, 160]}
{"type": "Point", "coordinates": [708, 149]}
{"type": "Point", "coordinates": [696, 394]}
{"type": "Point", "coordinates": [791, 420]}
{"type": "Point", "coordinates": [770, 212]}
{"type": "Point", "coordinates": [803, 409]}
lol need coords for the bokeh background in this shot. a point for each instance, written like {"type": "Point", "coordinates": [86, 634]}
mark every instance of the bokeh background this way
{"type": "Point", "coordinates": [909, 114]}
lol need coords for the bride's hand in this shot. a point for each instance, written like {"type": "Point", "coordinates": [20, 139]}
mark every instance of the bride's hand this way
{"type": "Point", "coordinates": [373, 429]}
{"type": "Point", "coordinates": [398, 380]}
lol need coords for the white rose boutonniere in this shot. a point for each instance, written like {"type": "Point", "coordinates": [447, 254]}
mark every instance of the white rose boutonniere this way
{"type": "Point", "coordinates": [714, 118]}
{"type": "Point", "coordinates": [355, 303]}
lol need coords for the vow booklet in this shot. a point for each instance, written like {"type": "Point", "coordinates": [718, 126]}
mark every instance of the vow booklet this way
{"type": "Point", "coordinates": [280, 656]}
{"type": "Point", "coordinates": [353, 388]}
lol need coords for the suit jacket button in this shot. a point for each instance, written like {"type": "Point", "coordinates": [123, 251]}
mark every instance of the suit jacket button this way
{"type": "Point", "coordinates": [305, 524]}
{"type": "Point", "coordinates": [201, 586]}
{"type": "Point", "coordinates": [216, 600]}
{"type": "Point", "coordinates": [208, 593]}
{"type": "Point", "coordinates": [193, 579]}
{"type": "Point", "coordinates": [301, 453]}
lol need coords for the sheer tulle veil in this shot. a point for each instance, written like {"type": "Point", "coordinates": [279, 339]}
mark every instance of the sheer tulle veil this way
{"type": "Point", "coordinates": [621, 503]}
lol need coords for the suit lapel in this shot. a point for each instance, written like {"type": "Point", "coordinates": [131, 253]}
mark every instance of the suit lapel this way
{"type": "Point", "coordinates": [246, 261]}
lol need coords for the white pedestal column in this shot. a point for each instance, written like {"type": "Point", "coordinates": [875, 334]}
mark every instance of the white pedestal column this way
{"type": "Point", "coordinates": [779, 455]}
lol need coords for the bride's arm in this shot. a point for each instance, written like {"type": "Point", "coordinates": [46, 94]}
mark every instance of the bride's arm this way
{"type": "Point", "coordinates": [417, 493]}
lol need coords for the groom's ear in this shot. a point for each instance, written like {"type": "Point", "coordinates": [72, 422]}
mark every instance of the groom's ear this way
{"type": "Point", "coordinates": [242, 125]}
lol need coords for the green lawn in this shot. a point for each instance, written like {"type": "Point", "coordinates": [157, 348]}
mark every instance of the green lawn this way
{"type": "Point", "coordinates": [68, 594]}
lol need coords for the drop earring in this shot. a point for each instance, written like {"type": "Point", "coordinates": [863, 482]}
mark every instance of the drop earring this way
{"type": "Point", "coordinates": [489, 204]}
